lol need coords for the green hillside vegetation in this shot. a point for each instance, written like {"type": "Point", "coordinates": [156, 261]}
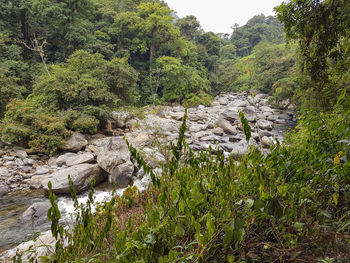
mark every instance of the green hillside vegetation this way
{"type": "Point", "coordinates": [64, 65]}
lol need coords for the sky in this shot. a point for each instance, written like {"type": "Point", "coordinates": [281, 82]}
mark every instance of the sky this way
{"type": "Point", "coordinates": [220, 15]}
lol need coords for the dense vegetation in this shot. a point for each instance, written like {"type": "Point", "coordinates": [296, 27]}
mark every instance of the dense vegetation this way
{"type": "Point", "coordinates": [69, 63]}
{"type": "Point", "coordinates": [61, 73]}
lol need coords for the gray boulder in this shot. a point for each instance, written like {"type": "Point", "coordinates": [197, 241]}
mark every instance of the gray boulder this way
{"type": "Point", "coordinates": [36, 181]}
{"type": "Point", "coordinates": [61, 160]}
{"type": "Point", "coordinates": [239, 149]}
{"type": "Point", "coordinates": [266, 141]}
{"type": "Point", "coordinates": [75, 143]}
{"type": "Point", "coordinates": [81, 176]}
{"type": "Point", "coordinates": [230, 115]}
{"type": "Point", "coordinates": [265, 124]}
{"type": "Point", "coordinates": [122, 174]}
{"type": "Point", "coordinates": [227, 127]}
{"type": "Point", "coordinates": [36, 213]}
{"type": "Point", "coordinates": [79, 159]}
{"type": "Point", "coordinates": [4, 190]}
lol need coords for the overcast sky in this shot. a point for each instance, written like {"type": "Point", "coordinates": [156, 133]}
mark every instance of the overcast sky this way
{"type": "Point", "coordinates": [219, 15]}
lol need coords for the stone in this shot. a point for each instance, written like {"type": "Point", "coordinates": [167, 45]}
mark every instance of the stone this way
{"type": "Point", "coordinates": [21, 153]}
{"type": "Point", "coordinates": [249, 114]}
{"type": "Point", "coordinates": [280, 121]}
{"type": "Point", "coordinates": [263, 133]}
{"type": "Point", "coordinates": [122, 174]}
{"type": "Point", "coordinates": [265, 124]}
{"type": "Point", "coordinates": [61, 160]}
{"type": "Point", "coordinates": [41, 170]}
{"type": "Point", "coordinates": [239, 149]}
{"type": "Point", "coordinates": [218, 131]}
{"type": "Point", "coordinates": [197, 128]}
{"type": "Point", "coordinates": [80, 174]}
{"type": "Point", "coordinates": [28, 161]}
{"type": "Point", "coordinates": [284, 116]}
{"type": "Point", "coordinates": [8, 158]}
{"type": "Point", "coordinates": [75, 143]}
{"type": "Point", "coordinates": [15, 179]}
{"type": "Point", "coordinates": [4, 190]}
{"type": "Point", "coordinates": [227, 147]}
{"type": "Point", "coordinates": [80, 158]}
{"type": "Point", "coordinates": [36, 181]}
{"type": "Point", "coordinates": [238, 103]}
{"type": "Point", "coordinates": [120, 118]}
{"type": "Point", "coordinates": [52, 162]}
{"type": "Point", "coordinates": [223, 101]}
{"type": "Point", "coordinates": [230, 115]}
{"type": "Point", "coordinates": [226, 126]}
{"type": "Point", "coordinates": [266, 141]}
{"type": "Point", "coordinates": [19, 162]}
{"type": "Point", "coordinates": [177, 115]}
{"type": "Point", "coordinates": [36, 213]}
{"type": "Point", "coordinates": [9, 163]}
{"type": "Point", "coordinates": [115, 153]}
{"type": "Point", "coordinates": [272, 117]}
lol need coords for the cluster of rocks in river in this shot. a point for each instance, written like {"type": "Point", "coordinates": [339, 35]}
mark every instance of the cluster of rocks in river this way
{"type": "Point", "coordinates": [107, 157]}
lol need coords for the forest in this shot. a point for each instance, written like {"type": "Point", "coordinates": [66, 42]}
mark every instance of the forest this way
{"type": "Point", "coordinates": [66, 64]}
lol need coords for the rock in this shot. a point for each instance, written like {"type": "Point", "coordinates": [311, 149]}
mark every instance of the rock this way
{"type": "Point", "coordinates": [222, 101]}
{"type": "Point", "coordinates": [177, 115]}
{"type": "Point", "coordinates": [239, 149]}
{"type": "Point", "coordinates": [43, 246]}
{"type": "Point", "coordinates": [263, 133]}
{"type": "Point", "coordinates": [75, 143]}
{"type": "Point", "coordinates": [122, 174]}
{"type": "Point", "coordinates": [36, 213]}
{"type": "Point", "coordinates": [280, 121]}
{"type": "Point", "coordinates": [218, 131]}
{"type": "Point", "coordinates": [81, 175]}
{"type": "Point", "coordinates": [266, 141]}
{"type": "Point", "coordinates": [4, 172]}
{"type": "Point", "coordinates": [9, 163]}
{"type": "Point", "coordinates": [36, 181]}
{"type": "Point", "coordinates": [284, 116]}
{"type": "Point", "coordinates": [8, 158]}
{"type": "Point", "coordinates": [61, 160]}
{"type": "Point", "coordinates": [21, 153]}
{"type": "Point", "coordinates": [4, 190]}
{"type": "Point", "coordinates": [226, 126]}
{"type": "Point", "coordinates": [197, 128]}
{"type": "Point", "coordinates": [265, 124]}
{"type": "Point", "coordinates": [120, 119]}
{"type": "Point", "coordinates": [41, 170]}
{"type": "Point", "coordinates": [227, 147]}
{"type": "Point", "coordinates": [80, 158]}
{"type": "Point", "coordinates": [266, 109]}
{"type": "Point", "coordinates": [52, 162]}
{"type": "Point", "coordinates": [238, 103]}
{"type": "Point", "coordinates": [272, 117]}
{"type": "Point", "coordinates": [115, 153]}
{"type": "Point", "coordinates": [19, 162]}
{"type": "Point", "coordinates": [141, 140]}
{"type": "Point", "coordinates": [230, 115]}
{"type": "Point", "coordinates": [15, 179]}
{"type": "Point", "coordinates": [249, 114]}
{"type": "Point", "coordinates": [28, 161]}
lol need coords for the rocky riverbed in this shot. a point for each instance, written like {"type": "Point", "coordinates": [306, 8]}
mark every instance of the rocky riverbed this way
{"type": "Point", "coordinates": [106, 158]}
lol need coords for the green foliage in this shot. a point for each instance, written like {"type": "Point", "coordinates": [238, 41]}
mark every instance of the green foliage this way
{"type": "Point", "coordinates": [288, 205]}
{"type": "Point", "coordinates": [246, 127]}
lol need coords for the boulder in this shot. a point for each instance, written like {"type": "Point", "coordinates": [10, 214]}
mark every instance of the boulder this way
{"type": "Point", "coordinates": [223, 101]}
{"type": "Point", "coordinates": [218, 131]}
{"type": "Point", "coordinates": [80, 158]}
{"type": "Point", "coordinates": [239, 149]}
{"type": "Point", "coordinates": [265, 124]}
{"type": "Point", "coordinates": [114, 153]}
{"type": "Point", "coordinates": [36, 213]}
{"type": "Point", "coordinates": [61, 160]}
{"type": "Point", "coordinates": [75, 143]}
{"type": "Point", "coordinates": [227, 127]}
{"type": "Point", "coordinates": [4, 190]}
{"type": "Point", "coordinates": [238, 103]}
{"type": "Point", "coordinates": [249, 114]}
{"type": "Point", "coordinates": [36, 181]}
{"type": "Point", "coordinates": [141, 140]}
{"type": "Point", "coordinates": [21, 153]}
{"type": "Point", "coordinates": [120, 119]}
{"type": "Point", "coordinates": [81, 175]}
{"type": "Point", "coordinates": [266, 141]}
{"type": "Point", "coordinates": [230, 115]}
{"type": "Point", "coordinates": [122, 174]}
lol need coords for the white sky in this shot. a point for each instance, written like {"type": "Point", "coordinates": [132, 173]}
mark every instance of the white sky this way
{"type": "Point", "coordinates": [219, 15]}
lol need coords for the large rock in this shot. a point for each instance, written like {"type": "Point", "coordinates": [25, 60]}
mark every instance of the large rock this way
{"type": "Point", "coordinates": [249, 114]}
{"type": "Point", "coordinates": [265, 124]}
{"type": "Point", "coordinates": [122, 174]}
{"type": "Point", "coordinates": [79, 159]}
{"type": "Point", "coordinates": [81, 176]}
{"type": "Point", "coordinates": [120, 119]}
{"type": "Point", "coordinates": [4, 190]}
{"type": "Point", "coordinates": [114, 153]}
{"type": "Point", "coordinates": [238, 103]}
{"type": "Point", "coordinates": [239, 149]}
{"type": "Point", "coordinates": [227, 127]}
{"type": "Point", "coordinates": [266, 141]}
{"type": "Point", "coordinates": [230, 114]}
{"type": "Point", "coordinates": [62, 159]}
{"type": "Point", "coordinates": [114, 158]}
{"type": "Point", "coordinates": [36, 181]}
{"type": "Point", "coordinates": [75, 143]}
{"type": "Point", "coordinates": [36, 213]}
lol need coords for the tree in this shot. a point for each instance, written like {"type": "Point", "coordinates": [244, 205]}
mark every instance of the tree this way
{"type": "Point", "coordinates": [322, 29]}
{"type": "Point", "coordinates": [189, 27]}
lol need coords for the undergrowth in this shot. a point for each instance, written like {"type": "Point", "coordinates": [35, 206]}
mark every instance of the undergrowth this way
{"type": "Point", "coordinates": [291, 205]}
